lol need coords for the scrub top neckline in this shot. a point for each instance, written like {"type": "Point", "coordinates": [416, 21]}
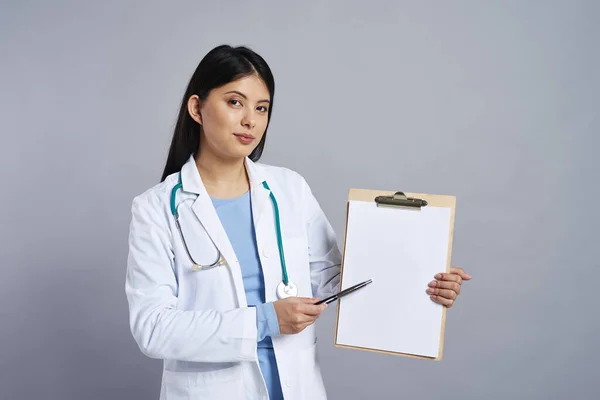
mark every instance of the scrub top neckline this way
{"type": "Point", "coordinates": [220, 202]}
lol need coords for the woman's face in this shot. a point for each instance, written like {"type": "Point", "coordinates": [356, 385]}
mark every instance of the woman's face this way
{"type": "Point", "coordinates": [233, 117]}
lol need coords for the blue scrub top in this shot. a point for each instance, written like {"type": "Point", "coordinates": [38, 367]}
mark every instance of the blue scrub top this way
{"type": "Point", "coordinates": [236, 217]}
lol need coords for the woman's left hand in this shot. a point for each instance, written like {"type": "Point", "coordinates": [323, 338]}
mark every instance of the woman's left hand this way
{"type": "Point", "coordinates": [446, 287]}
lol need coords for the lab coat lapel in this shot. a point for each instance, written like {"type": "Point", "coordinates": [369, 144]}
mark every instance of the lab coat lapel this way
{"type": "Point", "coordinates": [205, 211]}
{"type": "Point", "coordinates": [264, 225]}
{"type": "Point", "coordinates": [259, 194]}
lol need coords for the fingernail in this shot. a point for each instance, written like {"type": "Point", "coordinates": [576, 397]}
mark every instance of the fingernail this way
{"type": "Point", "coordinates": [432, 283]}
{"type": "Point", "coordinates": [438, 276]}
{"type": "Point", "coordinates": [468, 276]}
{"type": "Point", "coordinates": [430, 291]}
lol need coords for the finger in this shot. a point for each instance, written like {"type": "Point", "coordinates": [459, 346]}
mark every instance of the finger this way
{"type": "Point", "coordinates": [305, 319]}
{"type": "Point", "coordinates": [303, 326]}
{"type": "Point", "coordinates": [302, 321]}
{"type": "Point", "coordinates": [304, 300]}
{"type": "Point", "coordinates": [311, 309]}
{"type": "Point", "coordinates": [461, 272]}
{"type": "Point", "coordinates": [443, 301]}
{"type": "Point", "coordinates": [309, 323]}
{"type": "Point", "coordinates": [445, 293]}
{"type": "Point", "coordinates": [449, 277]}
{"type": "Point", "coordinates": [445, 285]}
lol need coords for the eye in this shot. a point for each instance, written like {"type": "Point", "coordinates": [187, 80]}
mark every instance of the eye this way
{"type": "Point", "coordinates": [262, 109]}
{"type": "Point", "coordinates": [235, 102]}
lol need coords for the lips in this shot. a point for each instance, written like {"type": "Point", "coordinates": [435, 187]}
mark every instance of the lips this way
{"type": "Point", "coordinates": [244, 138]}
{"type": "Point", "coordinates": [244, 135]}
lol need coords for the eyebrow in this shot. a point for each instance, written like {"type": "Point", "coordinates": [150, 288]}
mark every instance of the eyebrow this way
{"type": "Point", "coordinates": [244, 96]}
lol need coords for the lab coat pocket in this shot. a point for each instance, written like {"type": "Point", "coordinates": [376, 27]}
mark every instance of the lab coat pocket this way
{"type": "Point", "coordinates": [311, 384]}
{"type": "Point", "coordinates": [225, 383]}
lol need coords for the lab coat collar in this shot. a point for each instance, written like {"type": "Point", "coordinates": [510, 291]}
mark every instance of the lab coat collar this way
{"type": "Point", "coordinates": [192, 182]}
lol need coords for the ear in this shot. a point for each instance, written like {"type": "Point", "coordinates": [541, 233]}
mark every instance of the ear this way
{"type": "Point", "coordinates": [193, 106]}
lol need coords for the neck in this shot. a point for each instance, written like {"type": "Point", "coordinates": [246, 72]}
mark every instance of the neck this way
{"type": "Point", "coordinates": [222, 178]}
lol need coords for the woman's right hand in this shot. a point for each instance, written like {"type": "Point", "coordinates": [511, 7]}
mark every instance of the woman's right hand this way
{"type": "Point", "coordinates": [296, 313]}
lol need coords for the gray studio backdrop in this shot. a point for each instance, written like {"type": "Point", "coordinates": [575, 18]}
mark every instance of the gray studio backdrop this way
{"type": "Point", "coordinates": [494, 102]}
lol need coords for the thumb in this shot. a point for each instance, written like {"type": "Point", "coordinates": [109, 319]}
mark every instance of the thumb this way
{"type": "Point", "coordinates": [460, 272]}
{"type": "Point", "coordinates": [307, 300]}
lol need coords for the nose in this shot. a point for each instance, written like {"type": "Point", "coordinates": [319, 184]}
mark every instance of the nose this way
{"type": "Point", "coordinates": [248, 121]}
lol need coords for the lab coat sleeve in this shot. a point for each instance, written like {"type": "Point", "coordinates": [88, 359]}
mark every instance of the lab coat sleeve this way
{"type": "Point", "coordinates": [159, 328]}
{"type": "Point", "coordinates": [324, 254]}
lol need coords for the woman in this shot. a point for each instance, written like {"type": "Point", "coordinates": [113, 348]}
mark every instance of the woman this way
{"type": "Point", "coordinates": [227, 257]}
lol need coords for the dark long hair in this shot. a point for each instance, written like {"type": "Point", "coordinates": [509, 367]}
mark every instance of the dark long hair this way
{"type": "Point", "coordinates": [221, 65]}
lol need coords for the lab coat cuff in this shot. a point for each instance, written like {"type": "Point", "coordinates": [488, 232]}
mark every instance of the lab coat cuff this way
{"type": "Point", "coordinates": [249, 351]}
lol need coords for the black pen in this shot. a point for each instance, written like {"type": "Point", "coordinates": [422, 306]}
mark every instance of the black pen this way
{"type": "Point", "coordinates": [344, 292]}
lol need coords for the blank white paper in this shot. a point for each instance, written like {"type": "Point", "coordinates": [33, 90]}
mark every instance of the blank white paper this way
{"type": "Point", "coordinates": [401, 250]}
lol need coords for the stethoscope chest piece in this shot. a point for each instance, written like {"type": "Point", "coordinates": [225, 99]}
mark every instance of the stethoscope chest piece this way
{"type": "Point", "coordinates": [289, 290]}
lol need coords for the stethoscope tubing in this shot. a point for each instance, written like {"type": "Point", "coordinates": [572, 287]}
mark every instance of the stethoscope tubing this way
{"type": "Point", "coordinates": [219, 261]}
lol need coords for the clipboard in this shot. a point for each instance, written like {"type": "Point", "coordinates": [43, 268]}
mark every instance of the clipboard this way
{"type": "Point", "coordinates": [418, 210]}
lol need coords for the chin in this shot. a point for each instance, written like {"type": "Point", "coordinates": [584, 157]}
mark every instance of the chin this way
{"type": "Point", "coordinates": [240, 153]}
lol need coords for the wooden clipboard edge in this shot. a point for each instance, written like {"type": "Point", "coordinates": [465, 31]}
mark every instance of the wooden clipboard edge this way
{"type": "Point", "coordinates": [337, 317]}
{"type": "Point", "coordinates": [434, 200]}
{"type": "Point", "coordinates": [397, 353]}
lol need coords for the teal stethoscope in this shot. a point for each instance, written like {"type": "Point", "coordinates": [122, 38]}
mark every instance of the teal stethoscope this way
{"type": "Point", "coordinates": [285, 287]}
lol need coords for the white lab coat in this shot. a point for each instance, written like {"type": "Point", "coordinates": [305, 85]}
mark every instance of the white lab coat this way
{"type": "Point", "coordinates": [198, 322]}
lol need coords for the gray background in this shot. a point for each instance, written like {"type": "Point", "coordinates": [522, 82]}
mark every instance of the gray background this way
{"type": "Point", "coordinates": [494, 102]}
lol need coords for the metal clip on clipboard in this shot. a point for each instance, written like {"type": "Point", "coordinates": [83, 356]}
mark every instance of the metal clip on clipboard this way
{"type": "Point", "coordinates": [399, 199]}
